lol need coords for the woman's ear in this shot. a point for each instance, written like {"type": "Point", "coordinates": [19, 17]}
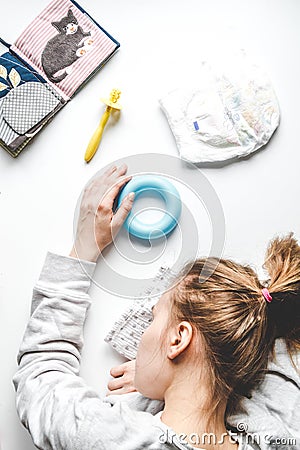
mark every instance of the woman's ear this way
{"type": "Point", "coordinates": [180, 338]}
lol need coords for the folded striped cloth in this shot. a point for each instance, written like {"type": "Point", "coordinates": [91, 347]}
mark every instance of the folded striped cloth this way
{"type": "Point", "coordinates": [127, 331]}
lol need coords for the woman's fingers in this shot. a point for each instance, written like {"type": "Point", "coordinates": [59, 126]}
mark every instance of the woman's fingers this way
{"type": "Point", "coordinates": [122, 212]}
{"type": "Point", "coordinates": [122, 390]}
{"type": "Point", "coordinates": [123, 382]}
{"type": "Point", "coordinates": [116, 383]}
{"type": "Point", "coordinates": [116, 392]}
{"type": "Point", "coordinates": [101, 179]}
{"type": "Point", "coordinates": [110, 170]}
{"type": "Point", "coordinates": [112, 193]}
{"type": "Point", "coordinates": [108, 177]}
{"type": "Point", "coordinates": [120, 385]}
{"type": "Point", "coordinates": [114, 171]}
{"type": "Point", "coordinates": [124, 378]}
{"type": "Point", "coordinates": [110, 183]}
{"type": "Point", "coordinates": [117, 371]}
{"type": "Point", "coordinates": [121, 170]}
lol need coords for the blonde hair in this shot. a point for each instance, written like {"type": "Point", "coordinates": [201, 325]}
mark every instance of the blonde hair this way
{"type": "Point", "coordinates": [236, 323]}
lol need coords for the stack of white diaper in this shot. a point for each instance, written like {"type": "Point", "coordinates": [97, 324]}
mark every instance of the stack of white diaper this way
{"type": "Point", "coordinates": [231, 113]}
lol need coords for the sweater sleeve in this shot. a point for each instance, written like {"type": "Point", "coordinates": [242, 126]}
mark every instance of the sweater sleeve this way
{"type": "Point", "coordinates": [51, 397]}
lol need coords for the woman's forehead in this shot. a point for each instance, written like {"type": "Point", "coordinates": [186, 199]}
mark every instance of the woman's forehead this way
{"type": "Point", "coordinates": [164, 300]}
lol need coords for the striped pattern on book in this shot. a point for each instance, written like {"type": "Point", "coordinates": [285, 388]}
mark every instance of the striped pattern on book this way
{"type": "Point", "coordinates": [31, 43]}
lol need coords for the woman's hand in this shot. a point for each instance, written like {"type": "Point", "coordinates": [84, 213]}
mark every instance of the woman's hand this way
{"type": "Point", "coordinates": [123, 381]}
{"type": "Point", "coordinates": [97, 224]}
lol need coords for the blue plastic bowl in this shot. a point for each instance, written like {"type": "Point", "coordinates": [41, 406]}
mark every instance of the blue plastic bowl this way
{"type": "Point", "coordinates": [147, 183]}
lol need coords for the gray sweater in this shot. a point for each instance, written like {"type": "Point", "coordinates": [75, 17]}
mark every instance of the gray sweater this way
{"type": "Point", "coordinates": [61, 412]}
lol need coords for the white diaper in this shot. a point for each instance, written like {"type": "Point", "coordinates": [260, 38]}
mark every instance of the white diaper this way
{"type": "Point", "coordinates": [233, 112]}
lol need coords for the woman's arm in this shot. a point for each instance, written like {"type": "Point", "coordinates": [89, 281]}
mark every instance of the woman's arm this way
{"type": "Point", "coordinates": [53, 402]}
{"type": "Point", "coordinates": [48, 388]}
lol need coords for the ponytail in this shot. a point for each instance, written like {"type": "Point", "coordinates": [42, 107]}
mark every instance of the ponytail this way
{"type": "Point", "coordinates": [282, 263]}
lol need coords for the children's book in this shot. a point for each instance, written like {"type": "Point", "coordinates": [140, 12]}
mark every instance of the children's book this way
{"type": "Point", "coordinates": [46, 66]}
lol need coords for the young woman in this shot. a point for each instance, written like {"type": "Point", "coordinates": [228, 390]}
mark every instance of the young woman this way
{"type": "Point", "coordinates": [217, 367]}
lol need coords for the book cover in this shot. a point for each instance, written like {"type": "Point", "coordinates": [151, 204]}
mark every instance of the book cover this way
{"type": "Point", "coordinates": [46, 66]}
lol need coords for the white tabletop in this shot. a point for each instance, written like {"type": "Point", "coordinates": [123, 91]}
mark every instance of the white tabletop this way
{"type": "Point", "coordinates": [162, 43]}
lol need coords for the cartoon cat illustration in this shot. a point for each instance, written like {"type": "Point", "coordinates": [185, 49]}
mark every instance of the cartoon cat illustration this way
{"type": "Point", "coordinates": [65, 48]}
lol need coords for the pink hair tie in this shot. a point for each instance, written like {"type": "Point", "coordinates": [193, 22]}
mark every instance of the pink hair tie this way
{"type": "Point", "coordinates": [266, 294]}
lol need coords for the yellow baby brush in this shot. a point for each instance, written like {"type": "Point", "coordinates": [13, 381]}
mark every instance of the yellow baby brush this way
{"type": "Point", "coordinates": [111, 104]}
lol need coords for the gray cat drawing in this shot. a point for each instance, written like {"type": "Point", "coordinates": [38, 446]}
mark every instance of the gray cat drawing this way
{"type": "Point", "coordinates": [65, 48]}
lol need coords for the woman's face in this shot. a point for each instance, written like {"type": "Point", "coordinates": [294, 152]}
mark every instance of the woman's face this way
{"type": "Point", "coordinates": [152, 374]}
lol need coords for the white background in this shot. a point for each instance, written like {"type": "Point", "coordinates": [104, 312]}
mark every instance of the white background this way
{"type": "Point", "coordinates": [162, 43]}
